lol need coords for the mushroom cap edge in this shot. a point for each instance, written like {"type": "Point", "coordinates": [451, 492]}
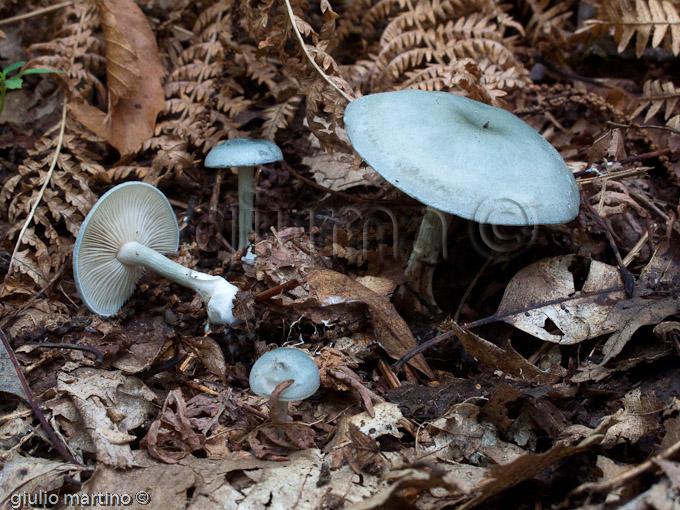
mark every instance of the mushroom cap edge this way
{"type": "Point", "coordinates": [101, 235]}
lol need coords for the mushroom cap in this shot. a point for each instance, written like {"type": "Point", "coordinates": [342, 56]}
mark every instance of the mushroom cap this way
{"type": "Point", "coordinates": [243, 152]}
{"type": "Point", "coordinates": [463, 157]}
{"type": "Point", "coordinates": [132, 211]}
{"type": "Point", "coordinates": [282, 364]}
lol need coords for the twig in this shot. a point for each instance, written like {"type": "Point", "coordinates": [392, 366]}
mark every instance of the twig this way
{"type": "Point", "coordinates": [389, 375]}
{"type": "Point", "coordinates": [54, 439]}
{"type": "Point", "coordinates": [468, 291]}
{"type": "Point", "coordinates": [643, 126]}
{"type": "Point", "coordinates": [30, 300]}
{"type": "Point", "coordinates": [76, 347]}
{"type": "Point", "coordinates": [323, 75]}
{"type": "Point", "coordinates": [279, 289]}
{"type": "Point", "coordinates": [44, 187]}
{"type": "Point", "coordinates": [421, 348]}
{"type": "Point", "coordinates": [628, 279]}
{"type": "Point", "coordinates": [495, 318]}
{"type": "Point", "coordinates": [37, 12]}
{"type": "Point", "coordinates": [628, 475]}
{"type": "Point", "coordinates": [635, 249]}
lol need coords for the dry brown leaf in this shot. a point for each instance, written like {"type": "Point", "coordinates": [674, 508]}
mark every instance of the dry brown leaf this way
{"type": "Point", "coordinates": [32, 475]}
{"type": "Point", "coordinates": [172, 436]}
{"type": "Point", "coordinates": [505, 359]}
{"type": "Point", "coordinates": [363, 455]}
{"type": "Point", "coordinates": [655, 298]}
{"type": "Point", "coordinates": [134, 71]}
{"type": "Point", "coordinates": [609, 146]}
{"type": "Point", "coordinates": [329, 288]}
{"type": "Point", "coordinates": [110, 406]}
{"type": "Point", "coordinates": [461, 435]}
{"type": "Point", "coordinates": [123, 66]}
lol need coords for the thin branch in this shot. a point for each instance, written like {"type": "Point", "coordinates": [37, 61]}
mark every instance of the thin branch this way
{"type": "Point", "coordinates": [309, 57]}
{"type": "Point", "coordinates": [44, 187]}
{"type": "Point", "coordinates": [37, 12]}
{"type": "Point", "coordinates": [51, 434]}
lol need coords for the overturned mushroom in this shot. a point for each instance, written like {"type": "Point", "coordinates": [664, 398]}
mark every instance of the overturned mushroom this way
{"type": "Point", "coordinates": [127, 231]}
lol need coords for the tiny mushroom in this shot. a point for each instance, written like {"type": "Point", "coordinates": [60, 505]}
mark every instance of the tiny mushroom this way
{"type": "Point", "coordinates": [125, 232]}
{"type": "Point", "coordinates": [244, 154]}
{"type": "Point", "coordinates": [460, 157]}
{"type": "Point", "coordinates": [284, 364]}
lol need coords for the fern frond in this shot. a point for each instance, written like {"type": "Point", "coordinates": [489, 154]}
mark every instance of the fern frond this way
{"type": "Point", "coordinates": [278, 117]}
{"type": "Point", "coordinates": [545, 18]}
{"type": "Point", "coordinates": [658, 19]}
{"type": "Point", "coordinates": [656, 94]}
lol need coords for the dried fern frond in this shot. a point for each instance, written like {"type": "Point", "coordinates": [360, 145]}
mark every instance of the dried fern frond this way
{"type": "Point", "coordinates": [547, 17]}
{"type": "Point", "coordinates": [201, 104]}
{"type": "Point", "coordinates": [410, 53]}
{"type": "Point", "coordinates": [63, 204]}
{"type": "Point", "coordinates": [423, 42]}
{"type": "Point", "coordinates": [279, 116]}
{"type": "Point", "coordinates": [309, 75]}
{"type": "Point", "coordinates": [655, 19]}
{"type": "Point", "coordinates": [62, 208]}
{"type": "Point", "coordinates": [656, 94]}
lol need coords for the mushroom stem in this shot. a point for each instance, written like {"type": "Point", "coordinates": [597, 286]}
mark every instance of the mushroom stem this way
{"type": "Point", "coordinates": [246, 202]}
{"type": "Point", "coordinates": [278, 411]}
{"type": "Point", "coordinates": [216, 292]}
{"type": "Point", "coordinates": [424, 257]}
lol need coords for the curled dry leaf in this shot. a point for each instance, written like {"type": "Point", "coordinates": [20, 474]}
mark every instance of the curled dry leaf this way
{"type": "Point", "coordinates": [110, 406]}
{"type": "Point", "coordinates": [329, 288]}
{"type": "Point", "coordinates": [505, 359]}
{"type": "Point", "coordinates": [172, 437]}
{"type": "Point", "coordinates": [339, 171]}
{"type": "Point", "coordinates": [134, 71]}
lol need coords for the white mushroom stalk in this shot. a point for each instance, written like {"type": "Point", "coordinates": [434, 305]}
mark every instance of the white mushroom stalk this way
{"type": "Point", "coordinates": [217, 293]}
{"type": "Point", "coordinates": [246, 204]}
{"type": "Point", "coordinates": [127, 231]}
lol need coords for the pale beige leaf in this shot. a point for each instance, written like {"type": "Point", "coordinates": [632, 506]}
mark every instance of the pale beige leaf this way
{"type": "Point", "coordinates": [577, 316]}
{"type": "Point", "coordinates": [339, 171]}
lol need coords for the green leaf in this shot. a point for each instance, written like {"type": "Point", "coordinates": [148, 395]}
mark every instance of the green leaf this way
{"type": "Point", "coordinates": [14, 83]}
{"type": "Point", "coordinates": [38, 71]}
{"type": "Point", "coordinates": [12, 67]}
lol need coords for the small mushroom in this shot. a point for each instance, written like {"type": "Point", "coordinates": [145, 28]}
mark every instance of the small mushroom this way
{"type": "Point", "coordinates": [460, 157]}
{"type": "Point", "coordinates": [244, 154]}
{"type": "Point", "coordinates": [283, 364]}
{"type": "Point", "coordinates": [127, 231]}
